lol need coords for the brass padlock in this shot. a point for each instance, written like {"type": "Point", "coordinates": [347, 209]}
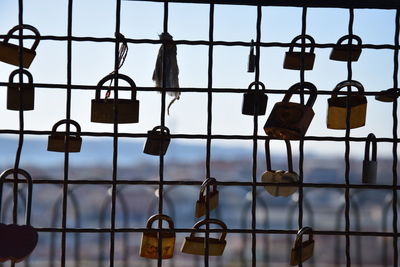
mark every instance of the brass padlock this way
{"type": "Point", "coordinates": [337, 110]}
{"type": "Point", "coordinates": [57, 140]}
{"type": "Point", "coordinates": [293, 59]}
{"type": "Point", "coordinates": [150, 240]}
{"type": "Point", "coordinates": [279, 176]}
{"type": "Point", "coordinates": [255, 101]}
{"type": "Point", "coordinates": [290, 120]}
{"type": "Point", "coordinates": [128, 109]}
{"type": "Point", "coordinates": [302, 251]}
{"type": "Point", "coordinates": [26, 90]}
{"type": "Point", "coordinates": [9, 53]}
{"type": "Point", "coordinates": [213, 197]}
{"type": "Point", "coordinates": [369, 170]}
{"type": "Point", "coordinates": [345, 52]}
{"type": "Point", "coordinates": [389, 95]}
{"type": "Point", "coordinates": [196, 245]}
{"type": "Point", "coordinates": [157, 141]}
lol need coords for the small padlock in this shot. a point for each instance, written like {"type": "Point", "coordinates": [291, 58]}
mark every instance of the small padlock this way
{"type": "Point", "coordinates": [337, 110]}
{"type": "Point", "coordinates": [293, 60]}
{"type": "Point", "coordinates": [27, 92]}
{"type": "Point", "coordinates": [9, 53]}
{"type": "Point", "coordinates": [157, 141]}
{"type": "Point", "coordinates": [345, 52]}
{"type": "Point", "coordinates": [196, 245]}
{"type": "Point", "coordinates": [290, 120]}
{"type": "Point", "coordinates": [57, 140]}
{"type": "Point", "coordinates": [254, 101]}
{"type": "Point", "coordinates": [213, 197]}
{"type": "Point", "coordinates": [369, 170]}
{"type": "Point", "coordinates": [279, 176]}
{"type": "Point", "coordinates": [389, 95]}
{"type": "Point", "coordinates": [302, 251]}
{"type": "Point", "coordinates": [251, 64]}
{"type": "Point", "coordinates": [150, 240]}
{"type": "Point", "coordinates": [128, 109]}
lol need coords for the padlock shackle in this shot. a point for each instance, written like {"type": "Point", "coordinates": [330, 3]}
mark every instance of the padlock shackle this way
{"type": "Point", "coordinates": [301, 86]}
{"type": "Point", "coordinates": [370, 139]}
{"type": "Point", "coordinates": [306, 37]}
{"type": "Point", "coordinates": [163, 129]}
{"type": "Point", "coordinates": [348, 83]}
{"type": "Point", "coordinates": [77, 126]}
{"type": "Point", "coordinates": [17, 71]}
{"type": "Point", "coordinates": [256, 83]}
{"type": "Point", "coordinates": [347, 37]}
{"type": "Point", "coordinates": [163, 217]}
{"type": "Point", "coordinates": [116, 76]}
{"type": "Point", "coordinates": [210, 221]}
{"type": "Point", "coordinates": [207, 182]}
{"type": "Point", "coordinates": [299, 236]}
{"type": "Point", "coordinates": [28, 178]}
{"type": "Point", "coordinates": [288, 151]}
{"type": "Point", "coordinates": [27, 27]}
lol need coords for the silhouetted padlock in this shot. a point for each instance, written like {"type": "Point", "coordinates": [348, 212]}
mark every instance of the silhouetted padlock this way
{"type": "Point", "coordinates": [9, 52]}
{"type": "Point", "coordinates": [157, 141]}
{"type": "Point", "coordinates": [26, 90]}
{"type": "Point", "coordinates": [369, 170]}
{"type": "Point", "coordinates": [344, 52]}
{"type": "Point", "coordinates": [150, 240]}
{"type": "Point", "coordinates": [290, 120]}
{"type": "Point", "coordinates": [196, 245]}
{"type": "Point", "coordinates": [279, 176]}
{"type": "Point", "coordinates": [251, 64]}
{"type": "Point", "coordinates": [293, 59]}
{"type": "Point", "coordinates": [128, 109]}
{"type": "Point", "coordinates": [213, 197]}
{"type": "Point", "coordinates": [389, 95]}
{"type": "Point", "coordinates": [302, 251]}
{"type": "Point", "coordinates": [57, 140]}
{"type": "Point", "coordinates": [337, 111]}
{"type": "Point", "coordinates": [254, 101]}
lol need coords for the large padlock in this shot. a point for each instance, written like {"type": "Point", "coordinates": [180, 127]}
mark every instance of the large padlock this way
{"type": "Point", "coordinates": [302, 251]}
{"type": "Point", "coordinates": [389, 95]}
{"type": "Point", "coordinates": [17, 241]}
{"type": "Point", "coordinates": [9, 53]}
{"type": "Point", "coordinates": [255, 101]}
{"type": "Point", "coordinates": [213, 196]}
{"type": "Point", "coordinates": [279, 176]}
{"type": "Point", "coordinates": [293, 60]}
{"type": "Point", "coordinates": [157, 141]}
{"type": "Point", "coordinates": [290, 120]}
{"type": "Point", "coordinates": [337, 107]}
{"type": "Point", "coordinates": [57, 140]}
{"type": "Point", "coordinates": [345, 52]}
{"type": "Point", "coordinates": [369, 170]}
{"type": "Point", "coordinates": [103, 109]}
{"type": "Point", "coordinates": [196, 245]}
{"type": "Point", "coordinates": [150, 239]}
{"type": "Point", "coordinates": [17, 93]}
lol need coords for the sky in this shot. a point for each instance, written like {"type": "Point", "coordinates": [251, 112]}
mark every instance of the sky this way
{"type": "Point", "coordinates": [144, 20]}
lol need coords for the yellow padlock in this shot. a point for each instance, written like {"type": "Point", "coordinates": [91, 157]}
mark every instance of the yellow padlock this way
{"type": "Point", "coordinates": [17, 92]}
{"type": "Point", "coordinates": [56, 141]}
{"type": "Point", "coordinates": [302, 251]}
{"type": "Point", "coordinates": [213, 197]}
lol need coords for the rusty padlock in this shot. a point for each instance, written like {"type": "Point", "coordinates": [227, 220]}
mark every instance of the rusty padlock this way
{"type": "Point", "coordinates": [290, 120]}
{"type": "Point", "coordinates": [150, 240]}
{"type": "Point", "coordinates": [293, 59]}
{"type": "Point", "coordinates": [254, 101]}
{"type": "Point", "coordinates": [196, 245]}
{"type": "Point", "coordinates": [57, 140]}
{"type": "Point", "coordinates": [337, 110]}
{"type": "Point", "coordinates": [302, 251]}
{"type": "Point", "coordinates": [389, 95]}
{"type": "Point", "coordinates": [212, 200]}
{"type": "Point", "coordinates": [128, 109]}
{"type": "Point", "coordinates": [9, 53]}
{"type": "Point", "coordinates": [279, 176]}
{"type": "Point", "coordinates": [345, 52]}
{"type": "Point", "coordinates": [26, 90]}
{"type": "Point", "coordinates": [369, 170]}
{"type": "Point", "coordinates": [157, 141]}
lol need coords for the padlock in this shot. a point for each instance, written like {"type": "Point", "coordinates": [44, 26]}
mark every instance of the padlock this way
{"type": "Point", "coordinates": [9, 53]}
{"type": "Point", "coordinates": [150, 240]}
{"type": "Point", "coordinates": [27, 92]}
{"type": "Point", "coordinates": [345, 52]}
{"type": "Point", "coordinates": [57, 140]}
{"type": "Point", "coordinates": [290, 120]}
{"type": "Point", "coordinates": [17, 241]}
{"type": "Point", "coordinates": [196, 245]}
{"type": "Point", "coordinates": [254, 101]}
{"type": "Point", "coordinates": [369, 170]}
{"type": "Point", "coordinates": [213, 197]}
{"type": "Point", "coordinates": [302, 251]}
{"type": "Point", "coordinates": [157, 141]}
{"type": "Point", "coordinates": [337, 110]}
{"type": "Point", "coordinates": [251, 64]}
{"type": "Point", "coordinates": [389, 95]}
{"type": "Point", "coordinates": [279, 176]}
{"type": "Point", "coordinates": [293, 60]}
{"type": "Point", "coordinates": [103, 109]}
